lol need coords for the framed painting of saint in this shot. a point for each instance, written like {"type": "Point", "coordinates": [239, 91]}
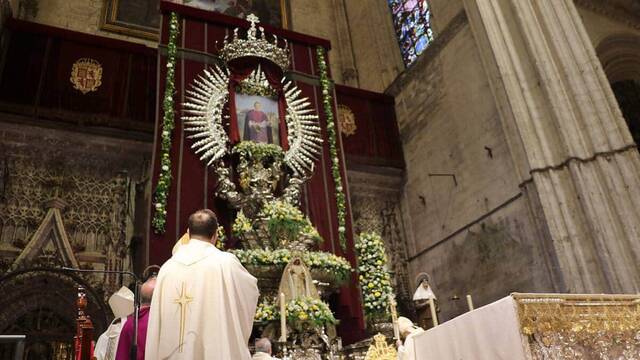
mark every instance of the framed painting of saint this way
{"type": "Point", "coordinates": [272, 12]}
{"type": "Point", "coordinates": [258, 118]}
{"type": "Point", "coordinates": [139, 18]}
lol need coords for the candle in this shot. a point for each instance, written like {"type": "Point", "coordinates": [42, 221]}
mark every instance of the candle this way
{"type": "Point", "coordinates": [469, 302]}
{"type": "Point", "coordinates": [283, 319]}
{"type": "Point", "coordinates": [394, 318]}
{"type": "Point", "coordinates": [434, 316]}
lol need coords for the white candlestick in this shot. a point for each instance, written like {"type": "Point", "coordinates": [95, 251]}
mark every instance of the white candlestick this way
{"type": "Point", "coordinates": [434, 316]}
{"type": "Point", "coordinates": [469, 302]}
{"type": "Point", "coordinates": [394, 318]}
{"type": "Point", "coordinates": [283, 319]}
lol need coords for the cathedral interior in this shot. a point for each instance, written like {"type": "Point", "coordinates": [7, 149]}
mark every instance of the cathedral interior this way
{"type": "Point", "coordinates": [490, 143]}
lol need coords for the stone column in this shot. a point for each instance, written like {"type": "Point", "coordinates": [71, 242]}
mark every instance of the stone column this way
{"type": "Point", "coordinates": [573, 152]}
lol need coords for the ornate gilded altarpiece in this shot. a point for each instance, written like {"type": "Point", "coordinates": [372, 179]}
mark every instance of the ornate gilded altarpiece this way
{"type": "Point", "coordinates": [68, 200]}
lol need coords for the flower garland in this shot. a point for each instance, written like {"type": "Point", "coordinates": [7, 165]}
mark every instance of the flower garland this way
{"type": "Point", "coordinates": [315, 260]}
{"type": "Point", "coordinates": [327, 100]}
{"type": "Point", "coordinates": [374, 278]}
{"type": "Point", "coordinates": [164, 180]}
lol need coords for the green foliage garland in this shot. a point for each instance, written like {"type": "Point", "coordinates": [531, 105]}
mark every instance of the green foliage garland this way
{"type": "Point", "coordinates": [327, 101]}
{"type": "Point", "coordinates": [164, 180]}
{"type": "Point", "coordinates": [374, 278]}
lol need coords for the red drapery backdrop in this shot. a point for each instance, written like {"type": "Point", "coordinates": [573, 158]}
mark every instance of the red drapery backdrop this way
{"type": "Point", "coordinates": [193, 185]}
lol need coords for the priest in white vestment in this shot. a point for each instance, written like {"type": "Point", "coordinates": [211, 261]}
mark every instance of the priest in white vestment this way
{"type": "Point", "coordinates": [204, 302]}
{"type": "Point", "coordinates": [121, 303]}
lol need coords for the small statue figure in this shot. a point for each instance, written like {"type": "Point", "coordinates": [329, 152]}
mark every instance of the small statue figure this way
{"type": "Point", "coordinates": [421, 299]}
{"type": "Point", "coordinates": [297, 282]}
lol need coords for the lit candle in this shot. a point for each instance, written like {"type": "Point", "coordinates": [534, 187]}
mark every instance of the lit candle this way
{"type": "Point", "coordinates": [283, 319]}
{"type": "Point", "coordinates": [469, 302]}
{"type": "Point", "coordinates": [394, 317]}
{"type": "Point", "coordinates": [434, 316]}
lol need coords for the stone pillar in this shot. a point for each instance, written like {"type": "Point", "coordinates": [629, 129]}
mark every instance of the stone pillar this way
{"type": "Point", "coordinates": [573, 152]}
{"type": "Point", "coordinates": [349, 74]}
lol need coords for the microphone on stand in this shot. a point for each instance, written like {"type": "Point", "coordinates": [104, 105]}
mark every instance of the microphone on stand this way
{"type": "Point", "coordinates": [136, 300]}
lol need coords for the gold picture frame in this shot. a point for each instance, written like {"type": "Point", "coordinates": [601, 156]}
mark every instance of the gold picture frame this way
{"type": "Point", "coordinates": [283, 8]}
{"type": "Point", "coordinates": [114, 18]}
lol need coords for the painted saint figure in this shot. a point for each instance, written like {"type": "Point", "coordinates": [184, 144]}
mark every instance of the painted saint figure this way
{"type": "Point", "coordinates": [257, 126]}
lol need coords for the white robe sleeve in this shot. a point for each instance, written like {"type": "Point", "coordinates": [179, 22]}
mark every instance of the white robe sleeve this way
{"type": "Point", "coordinates": [245, 287]}
{"type": "Point", "coordinates": [406, 351]}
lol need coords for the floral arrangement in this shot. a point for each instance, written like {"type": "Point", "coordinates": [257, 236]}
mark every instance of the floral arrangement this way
{"type": "Point", "coordinates": [287, 222]}
{"type": "Point", "coordinates": [327, 100]}
{"type": "Point", "coordinates": [266, 311]}
{"type": "Point", "coordinates": [164, 180]}
{"type": "Point", "coordinates": [301, 311]}
{"type": "Point", "coordinates": [222, 238]}
{"type": "Point", "coordinates": [315, 260]}
{"type": "Point", "coordinates": [309, 310]}
{"type": "Point", "coordinates": [258, 151]}
{"type": "Point", "coordinates": [374, 278]}
{"type": "Point", "coordinates": [241, 225]}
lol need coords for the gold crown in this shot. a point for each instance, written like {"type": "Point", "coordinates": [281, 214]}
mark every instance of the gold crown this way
{"type": "Point", "coordinates": [256, 44]}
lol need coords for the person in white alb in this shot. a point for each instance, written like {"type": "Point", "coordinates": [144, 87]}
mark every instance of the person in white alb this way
{"type": "Point", "coordinates": [121, 304]}
{"type": "Point", "coordinates": [204, 301]}
{"type": "Point", "coordinates": [406, 350]}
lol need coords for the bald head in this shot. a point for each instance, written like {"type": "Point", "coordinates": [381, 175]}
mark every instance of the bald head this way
{"type": "Point", "coordinates": [146, 291]}
{"type": "Point", "coordinates": [203, 224]}
{"type": "Point", "coordinates": [263, 345]}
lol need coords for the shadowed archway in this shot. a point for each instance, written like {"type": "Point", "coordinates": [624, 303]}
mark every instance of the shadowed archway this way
{"type": "Point", "coordinates": [40, 303]}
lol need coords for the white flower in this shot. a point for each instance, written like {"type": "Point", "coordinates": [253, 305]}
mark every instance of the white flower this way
{"type": "Point", "coordinates": [158, 205]}
{"type": "Point", "coordinates": [165, 168]}
{"type": "Point", "coordinates": [169, 65]}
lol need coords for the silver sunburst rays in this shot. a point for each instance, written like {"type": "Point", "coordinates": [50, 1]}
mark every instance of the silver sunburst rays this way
{"type": "Point", "coordinates": [205, 105]}
{"type": "Point", "coordinates": [302, 130]}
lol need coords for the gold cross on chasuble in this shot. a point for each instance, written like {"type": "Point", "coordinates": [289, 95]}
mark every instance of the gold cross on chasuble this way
{"type": "Point", "coordinates": [183, 301]}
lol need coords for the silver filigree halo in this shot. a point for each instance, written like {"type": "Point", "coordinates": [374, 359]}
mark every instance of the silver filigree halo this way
{"type": "Point", "coordinates": [205, 102]}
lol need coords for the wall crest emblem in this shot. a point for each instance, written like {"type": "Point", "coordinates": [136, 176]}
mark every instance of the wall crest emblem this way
{"type": "Point", "coordinates": [346, 120]}
{"type": "Point", "coordinates": [86, 75]}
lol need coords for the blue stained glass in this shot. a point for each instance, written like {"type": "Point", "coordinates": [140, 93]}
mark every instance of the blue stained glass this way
{"type": "Point", "coordinates": [412, 21]}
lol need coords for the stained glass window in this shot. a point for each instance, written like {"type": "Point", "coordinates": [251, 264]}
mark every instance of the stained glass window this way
{"type": "Point", "coordinates": [412, 21]}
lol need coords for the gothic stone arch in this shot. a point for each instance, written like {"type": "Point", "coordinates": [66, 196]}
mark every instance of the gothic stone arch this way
{"type": "Point", "coordinates": [40, 303]}
{"type": "Point", "coordinates": [620, 58]}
